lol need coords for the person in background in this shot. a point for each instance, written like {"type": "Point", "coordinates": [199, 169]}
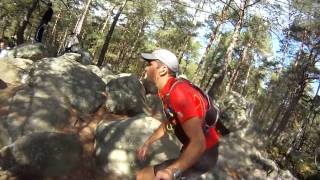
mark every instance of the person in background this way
{"type": "Point", "coordinates": [3, 49]}
{"type": "Point", "coordinates": [44, 23]}
{"type": "Point", "coordinates": [72, 43]}
{"type": "Point", "coordinates": [185, 108]}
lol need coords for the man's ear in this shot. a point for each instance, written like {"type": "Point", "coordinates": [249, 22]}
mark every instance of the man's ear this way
{"type": "Point", "coordinates": [163, 70]}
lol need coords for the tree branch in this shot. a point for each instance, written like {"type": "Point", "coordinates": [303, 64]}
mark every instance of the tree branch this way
{"type": "Point", "coordinates": [186, 5]}
{"type": "Point", "coordinates": [257, 1]}
{"type": "Point", "coordinates": [229, 5]}
{"type": "Point", "coordinates": [64, 4]}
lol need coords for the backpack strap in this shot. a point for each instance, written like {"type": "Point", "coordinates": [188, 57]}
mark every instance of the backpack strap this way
{"type": "Point", "coordinates": [170, 113]}
{"type": "Point", "coordinates": [211, 106]}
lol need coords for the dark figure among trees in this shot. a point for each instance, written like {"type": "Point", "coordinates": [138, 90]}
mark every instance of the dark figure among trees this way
{"type": "Point", "coordinates": [43, 23]}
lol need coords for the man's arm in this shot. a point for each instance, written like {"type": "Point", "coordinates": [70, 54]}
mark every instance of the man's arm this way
{"type": "Point", "coordinates": [157, 134]}
{"type": "Point", "coordinates": [196, 146]}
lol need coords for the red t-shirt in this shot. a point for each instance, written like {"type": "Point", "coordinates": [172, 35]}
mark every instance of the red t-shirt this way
{"type": "Point", "coordinates": [187, 102]}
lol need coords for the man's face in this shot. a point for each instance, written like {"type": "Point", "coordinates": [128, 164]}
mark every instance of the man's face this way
{"type": "Point", "coordinates": [151, 70]}
{"type": "Point", "coordinates": [1, 45]}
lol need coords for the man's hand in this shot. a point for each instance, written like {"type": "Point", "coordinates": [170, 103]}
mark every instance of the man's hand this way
{"type": "Point", "coordinates": [157, 134]}
{"type": "Point", "coordinates": [165, 174]}
{"type": "Point", "coordinates": [142, 151]}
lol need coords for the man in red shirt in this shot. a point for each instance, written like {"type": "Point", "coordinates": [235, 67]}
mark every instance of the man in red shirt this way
{"type": "Point", "coordinates": [185, 107]}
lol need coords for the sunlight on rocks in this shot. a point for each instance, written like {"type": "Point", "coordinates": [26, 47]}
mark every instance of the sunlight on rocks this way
{"type": "Point", "coordinates": [119, 159]}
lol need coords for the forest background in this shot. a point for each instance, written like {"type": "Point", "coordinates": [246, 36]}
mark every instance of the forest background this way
{"type": "Point", "coordinates": [266, 50]}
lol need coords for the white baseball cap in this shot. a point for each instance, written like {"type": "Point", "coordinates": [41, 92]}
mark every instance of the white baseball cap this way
{"type": "Point", "coordinates": [165, 56]}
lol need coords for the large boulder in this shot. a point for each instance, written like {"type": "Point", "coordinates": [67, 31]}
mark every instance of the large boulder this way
{"type": "Point", "coordinates": [55, 86]}
{"type": "Point", "coordinates": [104, 73]}
{"type": "Point", "coordinates": [234, 112]}
{"type": "Point", "coordinates": [117, 142]}
{"type": "Point", "coordinates": [150, 87]}
{"type": "Point", "coordinates": [95, 69]}
{"type": "Point", "coordinates": [86, 58]}
{"type": "Point", "coordinates": [33, 52]}
{"type": "Point", "coordinates": [42, 154]}
{"type": "Point", "coordinates": [106, 70]}
{"type": "Point", "coordinates": [15, 70]}
{"type": "Point", "coordinates": [154, 106]}
{"type": "Point", "coordinates": [82, 88]}
{"type": "Point", "coordinates": [38, 109]}
{"type": "Point", "coordinates": [125, 95]}
{"type": "Point", "coordinates": [241, 158]}
{"type": "Point", "coordinates": [71, 56]}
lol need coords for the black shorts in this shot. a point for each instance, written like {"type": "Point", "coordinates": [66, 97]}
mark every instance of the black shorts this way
{"type": "Point", "coordinates": [204, 164]}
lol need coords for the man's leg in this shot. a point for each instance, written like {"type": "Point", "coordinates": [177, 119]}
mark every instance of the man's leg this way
{"type": "Point", "coordinates": [149, 172]}
{"type": "Point", "coordinates": [206, 163]}
{"type": "Point", "coordinates": [146, 173]}
{"type": "Point", "coordinates": [39, 33]}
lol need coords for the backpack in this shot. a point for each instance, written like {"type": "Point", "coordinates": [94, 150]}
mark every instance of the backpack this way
{"type": "Point", "coordinates": [212, 114]}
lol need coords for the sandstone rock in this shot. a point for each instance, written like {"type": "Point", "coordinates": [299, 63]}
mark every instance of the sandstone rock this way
{"type": "Point", "coordinates": [36, 110]}
{"type": "Point", "coordinates": [155, 106]}
{"type": "Point", "coordinates": [149, 87]}
{"type": "Point", "coordinates": [104, 73]}
{"type": "Point", "coordinates": [240, 156]}
{"type": "Point", "coordinates": [33, 52]}
{"type": "Point", "coordinates": [82, 88]}
{"type": "Point", "coordinates": [15, 70]}
{"type": "Point", "coordinates": [125, 95]}
{"type": "Point", "coordinates": [234, 115]}
{"type": "Point", "coordinates": [42, 154]}
{"type": "Point", "coordinates": [117, 142]}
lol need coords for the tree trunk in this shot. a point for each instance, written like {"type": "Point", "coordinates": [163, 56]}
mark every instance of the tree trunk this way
{"type": "Point", "coordinates": [299, 138]}
{"type": "Point", "coordinates": [29, 32]}
{"type": "Point", "coordinates": [243, 91]}
{"type": "Point", "coordinates": [133, 47]}
{"type": "Point", "coordinates": [53, 32]}
{"type": "Point", "coordinates": [235, 73]}
{"type": "Point", "coordinates": [208, 65]}
{"type": "Point", "coordinates": [271, 129]}
{"type": "Point", "coordinates": [109, 35]}
{"type": "Point", "coordinates": [189, 34]}
{"type": "Point", "coordinates": [301, 80]}
{"type": "Point", "coordinates": [185, 68]}
{"type": "Point", "coordinates": [23, 25]}
{"type": "Point", "coordinates": [212, 37]}
{"type": "Point", "coordinates": [272, 86]}
{"type": "Point", "coordinates": [219, 80]}
{"type": "Point", "coordinates": [287, 115]}
{"type": "Point", "coordinates": [300, 49]}
{"type": "Point", "coordinates": [78, 27]}
{"type": "Point", "coordinates": [107, 19]}
{"type": "Point", "coordinates": [62, 40]}
{"type": "Point", "coordinates": [5, 26]}
{"type": "Point", "coordinates": [213, 93]}
{"type": "Point", "coordinates": [102, 30]}
{"type": "Point", "coordinates": [123, 52]}
{"type": "Point", "coordinates": [263, 113]}
{"type": "Point", "coordinates": [297, 94]}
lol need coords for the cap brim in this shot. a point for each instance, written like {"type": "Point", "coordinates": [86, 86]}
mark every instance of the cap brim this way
{"type": "Point", "coordinates": [148, 56]}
